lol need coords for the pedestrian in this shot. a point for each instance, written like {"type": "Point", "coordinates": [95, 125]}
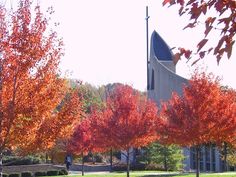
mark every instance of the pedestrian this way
{"type": "Point", "coordinates": [68, 161]}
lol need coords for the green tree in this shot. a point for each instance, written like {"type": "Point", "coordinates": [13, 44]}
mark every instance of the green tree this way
{"type": "Point", "coordinates": [231, 160]}
{"type": "Point", "coordinates": [169, 157]}
{"type": "Point", "coordinates": [92, 97]}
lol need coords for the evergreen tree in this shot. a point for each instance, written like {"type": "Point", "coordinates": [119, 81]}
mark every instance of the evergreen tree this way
{"type": "Point", "coordinates": [169, 157]}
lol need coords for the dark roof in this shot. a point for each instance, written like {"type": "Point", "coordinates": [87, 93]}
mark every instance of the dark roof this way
{"type": "Point", "coordinates": [161, 49]}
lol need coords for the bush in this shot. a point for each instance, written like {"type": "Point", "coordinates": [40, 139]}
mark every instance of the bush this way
{"type": "Point", "coordinates": [40, 173]}
{"type": "Point", "coordinates": [138, 166]}
{"type": "Point", "coordinates": [63, 172]}
{"type": "Point", "coordinates": [13, 160]}
{"type": "Point", "coordinates": [26, 174]}
{"type": "Point", "coordinates": [123, 167]}
{"type": "Point", "coordinates": [119, 167]}
{"type": "Point", "coordinates": [152, 166]}
{"type": "Point", "coordinates": [4, 175]}
{"type": "Point", "coordinates": [52, 173]}
{"type": "Point", "coordinates": [98, 158]}
{"type": "Point", "coordinates": [93, 158]}
{"type": "Point", "coordinates": [14, 175]}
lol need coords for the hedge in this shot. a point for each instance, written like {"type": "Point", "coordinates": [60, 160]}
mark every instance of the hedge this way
{"type": "Point", "coordinates": [63, 172]}
{"type": "Point", "coordinates": [14, 175]}
{"type": "Point", "coordinates": [26, 174]}
{"type": "Point", "coordinates": [40, 173]}
{"type": "Point", "coordinates": [52, 173]}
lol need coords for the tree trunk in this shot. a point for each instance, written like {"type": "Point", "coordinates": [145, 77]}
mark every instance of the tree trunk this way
{"type": "Point", "coordinates": [82, 164]}
{"type": "Point", "coordinates": [111, 154]}
{"type": "Point", "coordinates": [1, 166]}
{"type": "Point", "coordinates": [1, 117]}
{"type": "Point", "coordinates": [165, 159]}
{"type": "Point", "coordinates": [225, 157]}
{"type": "Point", "coordinates": [46, 157]}
{"type": "Point", "coordinates": [197, 161]}
{"type": "Point", "coordinates": [128, 162]}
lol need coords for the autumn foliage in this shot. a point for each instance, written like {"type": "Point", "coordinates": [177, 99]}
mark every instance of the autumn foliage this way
{"type": "Point", "coordinates": [216, 15]}
{"type": "Point", "coordinates": [204, 114]}
{"type": "Point", "coordinates": [128, 121]}
{"type": "Point", "coordinates": [132, 118]}
{"type": "Point", "coordinates": [30, 86]}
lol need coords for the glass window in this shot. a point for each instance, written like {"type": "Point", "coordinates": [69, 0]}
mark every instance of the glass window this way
{"type": "Point", "coordinates": [153, 80]}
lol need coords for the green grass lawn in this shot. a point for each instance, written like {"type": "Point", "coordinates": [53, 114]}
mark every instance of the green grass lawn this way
{"type": "Point", "coordinates": [152, 174]}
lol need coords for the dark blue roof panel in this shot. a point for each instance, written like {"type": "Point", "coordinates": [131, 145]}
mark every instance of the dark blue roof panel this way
{"type": "Point", "coordinates": [161, 49]}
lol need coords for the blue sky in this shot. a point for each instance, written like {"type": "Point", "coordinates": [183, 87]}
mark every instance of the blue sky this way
{"type": "Point", "coordinates": [105, 40]}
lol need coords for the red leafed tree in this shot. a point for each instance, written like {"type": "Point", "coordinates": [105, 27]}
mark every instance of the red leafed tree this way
{"type": "Point", "coordinates": [30, 89]}
{"type": "Point", "coordinates": [84, 139]}
{"type": "Point", "coordinates": [129, 120]}
{"type": "Point", "coordinates": [217, 15]}
{"type": "Point", "coordinates": [204, 114]}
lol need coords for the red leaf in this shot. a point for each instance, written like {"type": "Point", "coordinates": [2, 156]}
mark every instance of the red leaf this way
{"type": "Point", "coordinates": [181, 11]}
{"type": "Point", "coordinates": [211, 20]}
{"type": "Point", "coordinates": [176, 58]}
{"type": "Point", "coordinates": [181, 2]}
{"type": "Point", "coordinates": [190, 25]}
{"type": "Point", "coordinates": [187, 54]}
{"type": "Point", "coordinates": [208, 29]}
{"type": "Point", "coordinates": [165, 2]}
{"type": "Point", "coordinates": [202, 54]}
{"type": "Point", "coordinates": [204, 8]}
{"type": "Point", "coordinates": [201, 44]}
{"type": "Point", "coordinates": [219, 6]}
{"type": "Point", "coordinates": [209, 50]}
{"type": "Point", "coordinates": [229, 49]}
{"type": "Point", "coordinates": [195, 62]}
{"type": "Point", "coordinates": [219, 44]}
{"type": "Point", "coordinates": [190, 2]}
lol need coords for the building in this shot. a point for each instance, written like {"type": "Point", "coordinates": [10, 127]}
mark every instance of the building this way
{"type": "Point", "coordinates": [162, 81]}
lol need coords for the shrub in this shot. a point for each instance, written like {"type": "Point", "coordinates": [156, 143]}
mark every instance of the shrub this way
{"type": "Point", "coordinates": [63, 172]}
{"type": "Point", "coordinates": [119, 167]}
{"type": "Point", "coordinates": [93, 158]}
{"type": "Point", "coordinates": [14, 175]}
{"type": "Point", "coordinates": [13, 160]}
{"type": "Point", "coordinates": [4, 175]}
{"type": "Point", "coordinates": [40, 173]}
{"type": "Point", "coordinates": [26, 174]}
{"type": "Point", "coordinates": [138, 166]}
{"type": "Point", "coordinates": [123, 167]}
{"type": "Point", "coordinates": [98, 158]}
{"type": "Point", "coordinates": [52, 173]}
{"type": "Point", "coordinates": [152, 166]}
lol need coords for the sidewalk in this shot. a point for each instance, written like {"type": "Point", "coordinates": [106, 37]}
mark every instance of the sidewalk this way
{"type": "Point", "coordinates": [135, 172]}
{"type": "Point", "coordinates": [79, 172]}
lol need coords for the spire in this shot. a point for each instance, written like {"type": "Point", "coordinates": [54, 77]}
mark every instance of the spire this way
{"type": "Point", "coordinates": [147, 17]}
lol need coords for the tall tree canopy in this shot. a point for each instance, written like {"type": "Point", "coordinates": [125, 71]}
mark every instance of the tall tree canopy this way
{"type": "Point", "coordinates": [204, 114]}
{"type": "Point", "coordinates": [30, 89]}
{"type": "Point", "coordinates": [215, 14]}
{"type": "Point", "coordinates": [129, 120]}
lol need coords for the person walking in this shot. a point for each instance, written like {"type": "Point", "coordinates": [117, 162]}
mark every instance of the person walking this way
{"type": "Point", "coordinates": [68, 161]}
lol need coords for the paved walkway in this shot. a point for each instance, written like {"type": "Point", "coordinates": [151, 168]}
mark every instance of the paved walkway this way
{"type": "Point", "coordinates": [136, 172]}
{"type": "Point", "coordinates": [79, 172]}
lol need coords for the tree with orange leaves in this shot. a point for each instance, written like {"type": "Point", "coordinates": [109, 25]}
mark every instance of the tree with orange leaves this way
{"type": "Point", "coordinates": [56, 127]}
{"type": "Point", "coordinates": [129, 120]}
{"type": "Point", "coordinates": [30, 89]}
{"type": "Point", "coordinates": [222, 20]}
{"type": "Point", "coordinates": [204, 114]}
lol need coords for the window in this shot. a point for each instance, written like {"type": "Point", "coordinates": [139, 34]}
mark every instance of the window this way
{"type": "Point", "coordinates": [152, 81]}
